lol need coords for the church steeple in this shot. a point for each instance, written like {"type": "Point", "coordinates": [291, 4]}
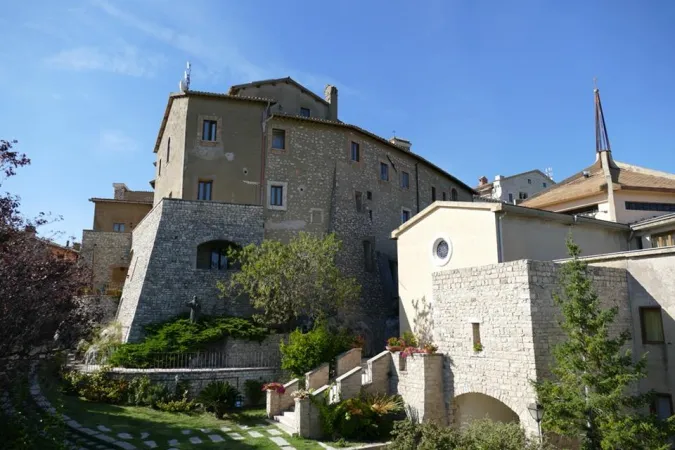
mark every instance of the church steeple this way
{"type": "Point", "coordinates": [601, 137]}
{"type": "Point", "coordinates": [603, 154]}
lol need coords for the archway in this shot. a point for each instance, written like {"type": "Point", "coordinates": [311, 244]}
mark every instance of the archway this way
{"type": "Point", "coordinates": [471, 406]}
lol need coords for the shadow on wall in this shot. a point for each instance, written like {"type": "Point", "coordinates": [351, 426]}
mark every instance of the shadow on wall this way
{"type": "Point", "coordinates": [472, 406]}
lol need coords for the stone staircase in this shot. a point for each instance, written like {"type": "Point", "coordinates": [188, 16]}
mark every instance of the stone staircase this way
{"type": "Point", "coordinates": [353, 374]}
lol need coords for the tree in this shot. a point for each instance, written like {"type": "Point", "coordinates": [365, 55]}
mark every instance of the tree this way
{"type": "Point", "coordinates": [37, 290]}
{"type": "Point", "coordinates": [286, 282]}
{"type": "Point", "coordinates": [591, 395]}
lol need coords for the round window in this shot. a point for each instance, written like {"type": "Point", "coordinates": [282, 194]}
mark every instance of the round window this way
{"type": "Point", "coordinates": [441, 251]}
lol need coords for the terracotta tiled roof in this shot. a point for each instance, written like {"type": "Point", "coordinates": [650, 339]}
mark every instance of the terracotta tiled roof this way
{"type": "Point", "coordinates": [112, 200]}
{"type": "Point", "coordinates": [235, 89]}
{"type": "Point", "coordinates": [626, 176]}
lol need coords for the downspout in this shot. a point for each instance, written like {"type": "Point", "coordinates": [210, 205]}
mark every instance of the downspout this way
{"type": "Point", "coordinates": [417, 187]}
{"type": "Point", "coordinates": [263, 152]}
{"type": "Point", "coordinates": [500, 238]}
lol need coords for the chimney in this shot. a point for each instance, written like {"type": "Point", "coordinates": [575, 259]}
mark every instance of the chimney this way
{"type": "Point", "coordinates": [120, 190]}
{"type": "Point", "coordinates": [482, 181]}
{"type": "Point", "coordinates": [76, 246]}
{"type": "Point", "coordinates": [30, 230]}
{"type": "Point", "coordinates": [331, 96]}
{"type": "Point", "coordinates": [67, 244]}
{"type": "Point", "coordinates": [400, 142]}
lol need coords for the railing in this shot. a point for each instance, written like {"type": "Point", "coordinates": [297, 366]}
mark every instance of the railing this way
{"type": "Point", "coordinates": [192, 360]}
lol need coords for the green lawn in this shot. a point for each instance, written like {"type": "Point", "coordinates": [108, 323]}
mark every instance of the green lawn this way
{"type": "Point", "coordinates": [163, 427]}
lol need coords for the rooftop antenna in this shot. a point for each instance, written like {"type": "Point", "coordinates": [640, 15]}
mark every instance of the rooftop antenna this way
{"type": "Point", "coordinates": [549, 172]}
{"type": "Point", "coordinates": [184, 84]}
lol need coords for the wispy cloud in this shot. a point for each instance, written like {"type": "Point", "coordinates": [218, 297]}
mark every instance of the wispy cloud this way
{"type": "Point", "coordinates": [115, 141]}
{"type": "Point", "coordinates": [124, 61]}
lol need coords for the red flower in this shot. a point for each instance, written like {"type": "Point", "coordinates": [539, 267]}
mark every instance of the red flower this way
{"type": "Point", "coordinates": [276, 387]}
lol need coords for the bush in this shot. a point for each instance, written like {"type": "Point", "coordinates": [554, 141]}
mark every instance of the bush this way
{"type": "Point", "coordinates": [307, 351]}
{"type": "Point", "coordinates": [254, 391]}
{"type": "Point", "coordinates": [480, 434]}
{"type": "Point", "coordinates": [363, 418]}
{"type": "Point", "coordinates": [177, 406]}
{"type": "Point", "coordinates": [409, 339]}
{"type": "Point", "coordinates": [217, 397]}
{"type": "Point", "coordinates": [181, 336]}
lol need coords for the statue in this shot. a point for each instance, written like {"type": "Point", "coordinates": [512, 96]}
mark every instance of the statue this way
{"type": "Point", "coordinates": [195, 307]}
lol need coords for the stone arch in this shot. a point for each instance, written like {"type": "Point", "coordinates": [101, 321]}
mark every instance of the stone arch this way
{"type": "Point", "coordinates": [471, 406]}
{"type": "Point", "coordinates": [214, 255]}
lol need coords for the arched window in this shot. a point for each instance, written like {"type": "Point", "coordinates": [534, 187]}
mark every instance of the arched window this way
{"type": "Point", "coordinates": [214, 255]}
{"type": "Point", "coordinates": [453, 195]}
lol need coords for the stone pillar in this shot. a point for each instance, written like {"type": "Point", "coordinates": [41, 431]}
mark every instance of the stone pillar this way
{"type": "Point", "coordinates": [331, 95]}
{"type": "Point", "coordinates": [273, 404]}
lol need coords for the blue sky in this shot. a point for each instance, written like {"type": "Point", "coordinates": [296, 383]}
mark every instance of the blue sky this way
{"type": "Point", "coordinates": [479, 87]}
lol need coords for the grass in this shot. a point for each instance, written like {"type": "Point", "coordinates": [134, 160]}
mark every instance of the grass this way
{"type": "Point", "coordinates": [163, 426]}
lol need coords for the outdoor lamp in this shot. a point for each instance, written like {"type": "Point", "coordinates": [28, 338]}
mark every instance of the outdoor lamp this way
{"type": "Point", "coordinates": [536, 411]}
{"type": "Point", "coordinates": [239, 402]}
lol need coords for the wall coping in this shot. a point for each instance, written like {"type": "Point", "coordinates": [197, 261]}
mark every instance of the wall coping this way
{"type": "Point", "coordinates": [352, 372]}
{"type": "Point", "coordinates": [351, 350]}
{"type": "Point", "coordinates": [379, 356]}
{"type": "Point", "coordinates": [311, 372]}
{"type": "Point", "coordinates": [214, 370]}
{"type": "Point", "coordinates": [631, 254]}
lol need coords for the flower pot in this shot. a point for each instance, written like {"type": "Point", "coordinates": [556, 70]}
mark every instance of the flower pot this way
{"type": "Point", "coordinates": [394, 348]}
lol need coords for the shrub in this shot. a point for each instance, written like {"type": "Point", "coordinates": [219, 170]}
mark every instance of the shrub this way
{"type": "Point", "coordinates": [409, 339]}
{"type": "Point", "coordinates": [255, 393]}
{"type": "Point", "coordinates": [96, 387]}
{"type": "Point", "coordinates": [307, 351]}
{"type": "Point", "coordinates": [181, 335]}
{"type": "Point", "coordinates": [217, 397]}
{"type": "Point", "coordinates": [177, 406]}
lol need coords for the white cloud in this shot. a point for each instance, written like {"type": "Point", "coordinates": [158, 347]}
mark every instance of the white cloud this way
{"type": "Point", "coordinates": [114, 141]}
{"type": "Point", "coordinates": [124, 61]}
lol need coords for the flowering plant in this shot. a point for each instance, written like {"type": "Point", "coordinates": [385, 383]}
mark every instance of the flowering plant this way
{"type": "Point", "coordinates": [395, 342]}
{"type": "Point", "coordinates": [302, 393]}
{"type": "Point", "coordinates": [359, 342]}
{"type": "Point", "coordinates": [276, 387]}
{"type": "Point", "coordinates": [409, 351]}
{"type": "Point", "coordinates": [430, 348]}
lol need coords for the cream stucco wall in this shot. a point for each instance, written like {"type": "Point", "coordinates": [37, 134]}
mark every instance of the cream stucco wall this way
{"type": "Point", "coordinates": [630, 216]}
{"type": "Point", "coordinates": [170, 182]}
{"type": "Point", "coordinates": [527, 237]}
{"type": "Point", "coordinates": [516, 184]}
{"type": "Point", "coordinates": [599, 199]}
{"type": "Point", "coordinates": [472, 232]}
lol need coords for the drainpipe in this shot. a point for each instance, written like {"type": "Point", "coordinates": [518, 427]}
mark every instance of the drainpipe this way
{"type": "Point", "coordinates": [500, 238]}
{"type": "Point", "coordinates": [417, 187]}
{"type": "Point", "coordinates": [263, 151]}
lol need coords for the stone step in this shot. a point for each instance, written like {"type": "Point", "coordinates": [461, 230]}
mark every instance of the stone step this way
{"type": "Point", "coordinates": [286, 423]}
{"type": "Point", "coordinates": [289, 414]}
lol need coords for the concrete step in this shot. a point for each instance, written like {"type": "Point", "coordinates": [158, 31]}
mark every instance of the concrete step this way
{"type": "Point", "coordinates": [286, 422]}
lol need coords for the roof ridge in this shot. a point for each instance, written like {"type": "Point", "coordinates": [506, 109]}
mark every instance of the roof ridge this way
{"type": "Point", "coordinates": [644, 170]}
{"type": "Point", "coordinates": [561, 184]}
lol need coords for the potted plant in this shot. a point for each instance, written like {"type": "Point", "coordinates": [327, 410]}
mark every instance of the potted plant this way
{"type": "Point", "coordinates": [477, 347]}
{"type": "Point", "coordinates": [274, 387]}
{"type": "Point", "coordinates": [430, 348]}
{"type": "Point", "coordinates": [395, 344]}
{"type": "Point", "coordinates": [302, 394]}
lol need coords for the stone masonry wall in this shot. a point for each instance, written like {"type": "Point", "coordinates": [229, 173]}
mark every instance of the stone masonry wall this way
{"type": "Point", "coordinates": [514, 307]}
{"type": "Point", "coordinates": [165, 276]}
{"type": "Point", "coordinates": [103, 252]}
{"type": "Point", "coordinates": [418, 380]}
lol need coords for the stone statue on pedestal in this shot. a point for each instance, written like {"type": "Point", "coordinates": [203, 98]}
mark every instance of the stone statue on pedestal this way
{"type": "Point", "coordinates": [195, 307]}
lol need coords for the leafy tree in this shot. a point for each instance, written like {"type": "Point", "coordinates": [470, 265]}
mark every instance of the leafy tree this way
{"type": "Point", "coordinates": [286, 282]}
{"type": "Point", "coordinates": [37, 290]}
{"type": "Point", "coordinates": [591, 396]}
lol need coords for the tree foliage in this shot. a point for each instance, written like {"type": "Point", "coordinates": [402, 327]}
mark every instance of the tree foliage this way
{"type": "Point", "coordinates": [592, 394]}
{"type": "Point", "coordinates": [37, 290]}
{"type": "Point", "coordinates": [285, 282]}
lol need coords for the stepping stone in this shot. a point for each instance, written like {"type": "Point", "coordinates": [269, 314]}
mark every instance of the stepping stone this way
{"type": "Point", "coordinates": [186, 431]}
{"type": "Point", "coordinates": [274, 432]}
{"type": "Point", "coordinates": [205, 430]}
{"type": "Point", "coordinates": [144, 435]}
{"type": "Point", "coordinates": [125, 445]}
{"type": "Point", "coordinates": [287, 448]}
{"type": "Point", "coordinates": [74, 424]}
{"type": "Point", "coordinates": [244, 427]}
{"type": "Point", "coordinates": [104, 428]}
{"type": "Point", "coordinates": [124, 436]}
{"type": "Point", "coordinates": [281, 442]}
{"type": "Point", "coordinates": [89, 431]}
{"type": "Point", "coordinates": [216, 438]}
{"type": "Point", "coordinates": [255, 434]}
{"type": "Point", "coordinates": [225, 429]}
{"type": "Point", "coordinates": [150, 444]}
{"type": "Point", "coordinates": [173, 448]}
{"type": "Point", "coordinates": [105, 438]}
{"type": "Point", "coordinates": [236, 436]}
{"type": "Point", "coordinates": [173, 442]}
{"type": "Point", "coordinates": [195, 440]}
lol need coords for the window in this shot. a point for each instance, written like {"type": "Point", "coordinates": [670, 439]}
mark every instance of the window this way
{"type": "Point", "coordinates": [384, 172]}
{"type": "Point", "coordinates": [433, 194]}
{"type": "Point", "coordinates": [356, 152]}
{"type": "Point", "coordinates": [405, 215]}
{"type": "Point", "coordinates": [209, 129]}
{"type": "Point", "coordinates": [510, 197]}
{"type": "Point", "coordinates": [544, 184]}
{"type": "Point", "coordinates": [278, 139]}
{"type": "Point", "coordinates": [305, 112]}
{"type": "Point", "coordinates": [441, 251]}
{"type": "Point", "coordinates": [444, 196]}
{"type": "Point", "coordinates": [453, 195]}
{"type": "Point", "coordinates": [370, 215]}
{"type": "Point", "coordinates": [529, 181]}
{"type": "Point", "coordinates": [646, 206]}
{"type": "Point", "coordinates": [522, 195]}
{"type": "Point", "coordinates": [213, 255]}
{"type": "Point", "coordinates": [652, 325]}
{"type": "Point", "coordinates": [276, 195]}
{"type": "Point", "coordinates": [368, 256]}
{"type": "Point", "coordinates": [159, 168]}
{"type": "Point", "coordinates": [119, 227]}
{"type": "Point", "coordinates": [663, 239]}
{"type": "Point", "coordinates": [662, 406]}
{"type": "Point", "coordinates": [168, 150]}
{"type": "Point", "coordinates": [204, 190]}
{"type": "Point", "coordinates": [358, 197]}
{"type": "Point", "coordinates": [369, 195]}
{"type": "Point", "coordinates": [405, 180]}
{"type": "Point", "coordinates": [475, 328]}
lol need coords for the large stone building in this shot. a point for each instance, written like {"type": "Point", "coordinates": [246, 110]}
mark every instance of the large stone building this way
{"type": "Point", "coordinates": [265, 161]}
{"type": "Point", "coordinates": [514, 188]}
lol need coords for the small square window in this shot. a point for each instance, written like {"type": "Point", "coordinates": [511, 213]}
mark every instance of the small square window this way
{"type": "Point", "coordinates": [544, 184]}
{"type": "Point", "coordinates": [355, 152]}
{"type": "Point", "coordinates": [405, 215]}
{"type": "Point", "coordinates": [118, 227]}
{"type": "Point", "coordinates": [652, 325]}
{"type": "Point", "coordinates": [405, 180]}
{"type": "Point", "coordinates": [368, 256]}
{"type": "Point", "coordinates": [433, 194]}
{"type": "Point", "coordinates": [358, 197]}
{"type": "Point", "coordinates": [279, 139]}
{"type": "Point", "coordinates": [370, 215]}
{"type": "Point", "coordinates": [510, 197]}
{"type": "Point", "coordinates": [209, 130]}
{"type": "Point", "coordinates": [204, 190]}
{"type": "Point", "coordinates": [384, 172]}
{"type": "Point", "coordinates": [369, 195]}
{"type": "Point", "coordinates": [276, 195]}
{"type": "Point", "coordinates": [475, 328]}
{"type": "Point", "coordinates": [305, 112]}
{"type": "Point", "coordinates": [522, 195]}
{"type": "Point", "coordinates": [529, 181]}
{"type": "Point", "coordinates": [662, 406]}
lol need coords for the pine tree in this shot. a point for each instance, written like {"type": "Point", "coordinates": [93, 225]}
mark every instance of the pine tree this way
{"type": "Point", "coordinates": [591, 395]}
